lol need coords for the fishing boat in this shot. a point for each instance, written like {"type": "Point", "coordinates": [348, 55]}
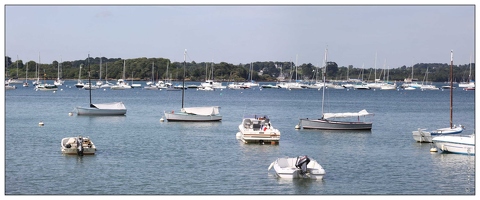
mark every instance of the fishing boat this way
{"type": "Point", "coordinates": [114, 108]}
{"type": "Point", "coordinates": [257, 129]}
{"type": "Point", "coordinates": [421, 135]}
{"type": "Point", "coordinates": [337, 121]}
{"type": "Point", "coordinates": [77, 146]}
{"type": "Point", "coordinates": [462, 144]}
{"type": "Point", "coordinates": [193, 114]}
{"type": "Point", "coordinates": [299, 167]}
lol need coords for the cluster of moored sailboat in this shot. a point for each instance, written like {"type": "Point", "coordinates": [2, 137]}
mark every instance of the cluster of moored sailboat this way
{"type": "Point", "coordinates": [259, 129]}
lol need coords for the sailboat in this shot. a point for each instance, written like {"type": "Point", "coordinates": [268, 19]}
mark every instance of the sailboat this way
{"type": "Point", "coordinates": [79, 83]}
{"type": "Point", "coordinates": [421, 135]}
{"type": "Point", "coordinates": [151, 84]}
{"type": "Point", "coordinates": [121, 84]}
{"type": "Point", "coordinates": [59, 81]}
{"type": "Point", "coordinates": [325, 123]}
{"type": "Point", "coordinates": [470, 85]}
{"type": "Point", "coordinates": [25, 84]}
{"type": "Point", "coordinates": [114, 108]}
{"type": "Point", "coordinates": [15, 80]}
{"type": "Point", "coordinates": [193, 114]}
{"type": "Point", "coordinates": [425, 85]}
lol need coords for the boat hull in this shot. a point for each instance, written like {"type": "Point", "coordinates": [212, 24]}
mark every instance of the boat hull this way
{"type": "Point", "coordinates": [285, 168]}
{"type": "Point", "coordinates": [185, 117]}
{"type": "Point", "coordinates": [334, 125]}
{"type": "Point", "coordinates": [68, 146]}
{"type": "Point", "coordinates": [96, 111]}
{"type": "Point", "coordinates": [424, 136]}
{"type": "Point", "coordinates": [464, 144]}
{"type": "Point", "coordinates": [257, 129]}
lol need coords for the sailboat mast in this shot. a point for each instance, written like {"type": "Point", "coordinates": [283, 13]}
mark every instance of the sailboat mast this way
{"type": "Point", "coordinates": [100, 69]}
{"type": "Point", "coordinates": [324, 77]}
{"type": "Point", "coordinates": [451, 87]}
{"type": "Point", "coordinates": [184, 63]}
{"type": "Point", "coordinates": [89, 84]}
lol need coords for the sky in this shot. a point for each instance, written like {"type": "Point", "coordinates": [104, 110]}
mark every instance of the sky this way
{"type": "Point", "coordinates": [380, 36]}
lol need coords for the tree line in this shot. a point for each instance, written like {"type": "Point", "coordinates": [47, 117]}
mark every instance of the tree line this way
{"type": "Point", "coordinates": [267, 71]}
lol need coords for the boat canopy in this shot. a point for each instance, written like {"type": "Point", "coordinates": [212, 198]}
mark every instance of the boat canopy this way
{"type": "Point", "coordinates": [338, 115]}
{"type": "Point", "coordinates": [113, 105]}
{"type": "Point", "coordinates": [212, 110]}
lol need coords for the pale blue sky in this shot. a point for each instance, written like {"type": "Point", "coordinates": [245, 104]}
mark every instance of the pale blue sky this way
{"type": "Point", "coordinates": [399, 35]}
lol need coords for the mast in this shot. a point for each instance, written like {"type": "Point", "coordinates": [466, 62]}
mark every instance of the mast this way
{"type": "Point", "coordinates": [26, 74]}
{"type": "Point", "coordinates": [17, 68]}
{"type": "Point", "coordinates": [375, 79]}
{"type": "Point", "coordinates": [296, 68]}
{"type": "Point", "coordinates": [184, 63]}
{"type": "Point", "coordinates": [451, 87]}
{"type": "Point", "coordinates": [324, 77]}
{"type": "Point", "coordinates": [100, 69]}
{"type": "Point", "coordinates": [123, 77]}
{"type": "Point", "coordinates": [89, 83]}
{"type": "Point", "coordinates": [106, 72]}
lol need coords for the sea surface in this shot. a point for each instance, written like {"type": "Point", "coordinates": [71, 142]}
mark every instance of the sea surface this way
{"type": "Point", "coordinates": [137, 154]}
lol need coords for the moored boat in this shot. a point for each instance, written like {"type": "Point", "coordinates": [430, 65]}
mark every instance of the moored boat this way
{"type": "Point", "coordinates": [258, 129]}
{"type": "Point", "coordinates": [299, 167]}
{"type": "Point", "coordinates": [77, 146]}
{"type": "Point", "coordinates": [192, 114]}
{"type": "Point", "coordinates": [105, 109]}
{"type": "Point", "coordinates": [462, 144]}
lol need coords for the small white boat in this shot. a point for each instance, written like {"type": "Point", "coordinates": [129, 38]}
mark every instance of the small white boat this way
{"type": "Point", "coordinates": [299, 167]}
{"type": "Point", "coordinates": [77, 146]}
{"type": "Point", "coordinates": [105, 109]}
{"type": "Point", "coordinates": [10, 87]}
{"type": "Point", "coordinates": [462, 144]}
{"type": "Point", "coordinates": [88, 86]}
{"type": "Point", "coordinates": [195, 114]}
{"type": "Point", "coordinates": [192, 114]}
{"type": "Point", "coordinates": [47, 87]}
{"type": "Point", "coordinates": [258, 129]}
{"type": "Point", "coordinates": [421, 135]}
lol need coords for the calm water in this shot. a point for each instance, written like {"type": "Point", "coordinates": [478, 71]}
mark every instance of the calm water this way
{"type": "Point", "coordinates": [138, 154]}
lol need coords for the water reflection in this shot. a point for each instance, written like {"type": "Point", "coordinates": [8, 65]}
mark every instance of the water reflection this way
{"type": "Point", "coordinates": [104, 119]}
{"type": "Point", "coordinates": [300, 186]}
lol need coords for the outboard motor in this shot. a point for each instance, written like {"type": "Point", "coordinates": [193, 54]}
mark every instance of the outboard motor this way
{"type": "Point", "coordinates": [302, 162]}
{"type": "Point", "coordinates": [80, 146]}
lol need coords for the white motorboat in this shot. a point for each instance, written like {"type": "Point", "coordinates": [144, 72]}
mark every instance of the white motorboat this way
{"type": "Point", "coordinates": [105, 109]}
{"type": "Point", "coordinates": [462, 144]}
{"type": "Point", "coordinates": [10, 87]}
{"type": "Point", "coordinates": [89, 86]}
{"type": "Point", "coordinates": [258, 129]}
{"type": "Point", "coordinates": [299, 167]}
{"type": "Point", "coordinates": [193, 114]}
{"type": "Point", "coordinates": [421, 135]}
{"type": "Point", "coordinates": [46, 87]}
{"type": "Point", "coordinates": [77, 146]}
